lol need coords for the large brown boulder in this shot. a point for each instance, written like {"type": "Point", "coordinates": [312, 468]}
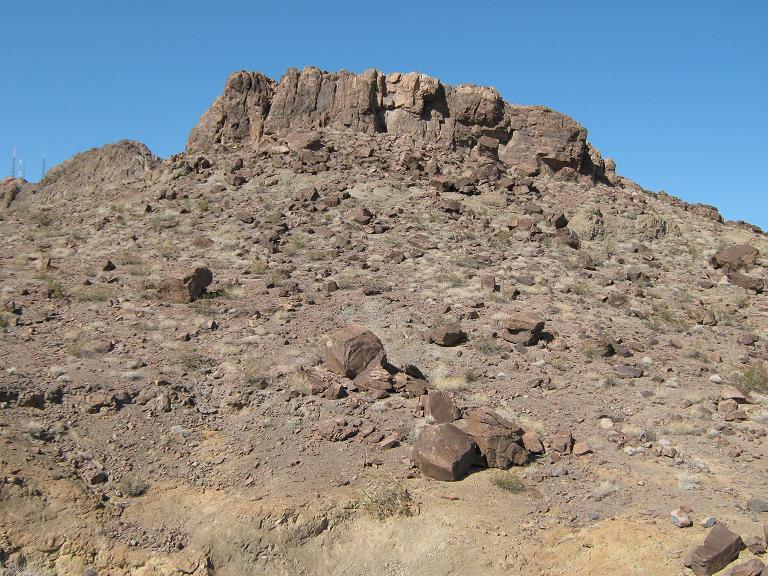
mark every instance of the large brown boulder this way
{"type": "Point", "coordinates": [440, 406]}
{"type": "Point", "coordinates": [447, 334]}
{"type": "Point", "coordinates": [524, 328]}
{"type": "Point", "coordinates": [736, 257]}
{"type": "Point", "coordinates": [746, 281]}
{"type": "Point", "coordinates": [187, 288]}
{"type": "Point", "coordinates": [720, 548]}
{"type": "Point", "coordinates": [444, 452]}
{"type": "Point", "coordinates": [351, 350]}
{"type": "Point", "coordinates": [500, 441]}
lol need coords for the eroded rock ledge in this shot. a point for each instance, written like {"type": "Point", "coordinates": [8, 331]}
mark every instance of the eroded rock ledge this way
{"type": "Point", "coordinates": [530, 139]}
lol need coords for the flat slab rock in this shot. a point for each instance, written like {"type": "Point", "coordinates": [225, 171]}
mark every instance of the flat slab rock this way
{"type": "Point", "coordinates": [720, 548]}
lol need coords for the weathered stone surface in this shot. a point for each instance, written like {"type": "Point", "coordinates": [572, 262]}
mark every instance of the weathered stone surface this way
{"type": "Point", "coordinates": [752, 567]}
{"type": "Point", "coordinates": [444, 452]}
{"type": "Point", "coordinates": [562, 441]}
{"type": "Point", "coordinates": [447, 334]}
{"type": "Point", "coordinates": [237, 115]}
{"type": "Point", "coordinates": [747, 281]}
{"type": "Point", "coordinates": [187, 288]}
{"type": "Point", "coordinates": [524, 328]}
{"type": "Point", "coordinates": [530, 139]}
{"type": "Point", "coordinates": [351, 350]}
{"type": "Point", "coordinates": [720, 548]}
{"type": "Point", "coordinates": [374, 377]}
{"type": "Point", "coordinates": [736, 257]}
{"type": "Point", "coordinates": [500, 441]}
{"type": "Point", "coordinates": [99, 172]}
{"type": "Point", "coordinates": [440, 406]}
{"type": "Point", "coordinates": [337, 429]}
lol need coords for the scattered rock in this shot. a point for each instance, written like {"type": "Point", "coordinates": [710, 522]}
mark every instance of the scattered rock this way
{"type": "Point", "coordinates": [499, 440]}
{"type": "Point", "coordinates": [351, 350]}
{"type": "Point", "coordinates": [447, 334]}
{"type": "Point", "coordinates": [187, 288]}
{"type": "Point", "coordinates": [720, 548]}
{"type": "Point", "coordinates": [444, 452]}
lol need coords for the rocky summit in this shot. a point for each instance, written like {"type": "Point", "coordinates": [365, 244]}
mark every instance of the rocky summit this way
{"type": "Point", "coordinates": [376, 324]}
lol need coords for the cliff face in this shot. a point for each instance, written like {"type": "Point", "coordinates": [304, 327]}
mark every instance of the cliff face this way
{"type": "Point", "coordinates": [531, 139]}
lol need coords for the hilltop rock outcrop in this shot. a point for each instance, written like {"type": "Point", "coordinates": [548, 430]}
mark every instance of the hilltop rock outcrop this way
{"type": "Point", "coordinates": [99, 170]}
{"type": "Point", "coordinates": [532, 139]}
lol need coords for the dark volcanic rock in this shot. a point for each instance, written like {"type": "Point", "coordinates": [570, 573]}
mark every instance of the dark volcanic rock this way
{"type": "Point", "coordinates": [720, 548]}
{"type": "Point", "coordinates": [444, 452]}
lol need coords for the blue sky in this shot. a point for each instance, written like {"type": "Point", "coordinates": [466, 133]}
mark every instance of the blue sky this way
{"type": "Point", "coordinates": [676, 91]}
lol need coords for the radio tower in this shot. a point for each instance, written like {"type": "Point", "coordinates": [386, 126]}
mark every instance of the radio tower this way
{"type": "Point", "coordinates": [13, 162]}
{"type": "Point", "coordinates": [21, 168]}
{"type": "Point", "coordinates": [42, 171]}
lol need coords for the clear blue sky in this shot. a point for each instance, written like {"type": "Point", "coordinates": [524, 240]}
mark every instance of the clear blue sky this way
{"type": "Point", "coordinates": [675, 90]}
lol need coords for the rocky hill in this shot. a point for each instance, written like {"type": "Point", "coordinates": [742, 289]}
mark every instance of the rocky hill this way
{"type": "Point", "coordinates": [376, 324]}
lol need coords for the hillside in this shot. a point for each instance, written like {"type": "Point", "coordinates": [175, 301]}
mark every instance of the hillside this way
{"type": "Point", "coordinates": [375, 324]}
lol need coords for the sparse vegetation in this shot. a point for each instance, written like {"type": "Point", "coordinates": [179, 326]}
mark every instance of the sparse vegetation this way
{"type": "Point", "coordinates": [509, 482]}
{"type": "Point", "coordinates": [93, 294]}
{"type": "Point", "coordinates": [580, 288]}
{"type": "Point", "coordinates": [384, 499]}
{"type": "Point", "coordinates": [754, 378]}
{"type": "Point", "coordinates": [681, 428]}
{"type": "Point", "coordinates": [53, 289]}
{"type": "Point", "coordinates": [132, 485]}
{"type": "Point", "coordinates": [487, 345]}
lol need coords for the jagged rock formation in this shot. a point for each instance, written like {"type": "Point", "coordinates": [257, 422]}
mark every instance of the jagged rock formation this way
{"type": "Point", "coordinates": [99, 170]}
{"type": "Point", "coordinates": [530, 138]}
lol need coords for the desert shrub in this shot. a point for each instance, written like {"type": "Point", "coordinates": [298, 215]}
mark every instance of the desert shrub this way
{"type": "Point", "coordinates": [386, 498]}
{"type": "Point", "coordinates": [509, 482]}
{"type": "Point", "coordinates": [93, 294]}
{"type": "Point", "coordinates": [53, 289]}
{"type": "Point", "coordinates": [754, 378]}
{"type": "Point", "coordinates": [132, 485]}
{"type": "Point", "coordinates": [486, 345]}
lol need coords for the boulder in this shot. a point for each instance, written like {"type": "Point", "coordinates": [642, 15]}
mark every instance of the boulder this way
{"type": "Point", "coordinates": [297, 141]}
{"type": "Point", "coordinates": [720, 548]}
{"type": "Point", "coordinates": [187, 288]}
{"type": "Point", "coordinates": [352, 349]}
{"type": "Point", "coordinates": [337, 429]}
{"type": "Point", "coordinates": [524, 328]}
{"type": "Point", "coordinates": [499, 440]}
{"type": "Point", "coordinates": [562, 441]}
{"type": "Point", "coordinates": [736, 257]}
{"type": "Point", "coordinates": [752, 567]}
{"type": "Point", "coordinates": [444, 452]}
{"type": "Point", "coordinates": [374, 377]}
{"type": "Point", "coordinates": [447, 334]}
{"type": "Point", "coordinates": [746, 281]}
{"type": "Point", "coordinates": [440, 406]}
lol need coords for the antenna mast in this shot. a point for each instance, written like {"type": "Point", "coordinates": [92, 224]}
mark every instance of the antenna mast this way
{"type": "Point", "coordinates": [21, 168]}
{"type": "Point", "coordinates": [42, 171]}
{"type": "Point", "coordinates": [13, 162]}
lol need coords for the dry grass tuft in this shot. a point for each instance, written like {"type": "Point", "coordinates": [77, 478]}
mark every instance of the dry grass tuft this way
{"type": "Point", "coordinates": [509, 482]}
{"type": "Point", "coordinates": [754, 378]}
{"type": "Point", "coordinates": [386, 498]}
